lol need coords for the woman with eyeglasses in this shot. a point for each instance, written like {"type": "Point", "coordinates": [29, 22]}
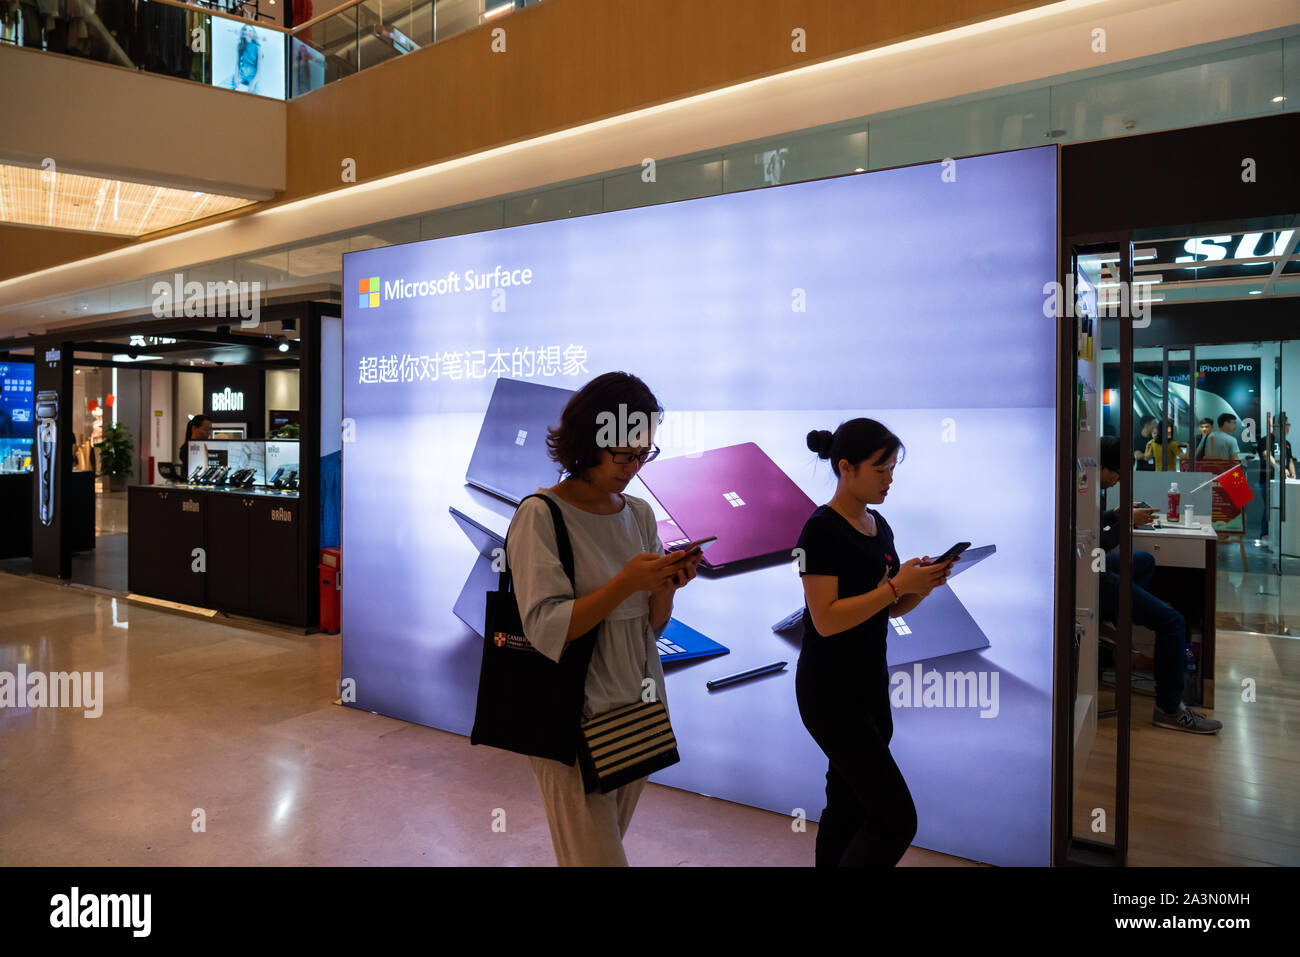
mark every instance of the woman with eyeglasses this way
{"type": "Point", "coordinates": [853, 584]}
{"type": "Point", "coordinates": [625, 584]}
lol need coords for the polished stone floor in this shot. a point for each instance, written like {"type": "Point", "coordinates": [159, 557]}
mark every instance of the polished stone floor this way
{"type": "Point", "coordinates": [238, 725]}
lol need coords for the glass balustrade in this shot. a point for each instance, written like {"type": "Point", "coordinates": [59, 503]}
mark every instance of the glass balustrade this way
{"type": "Point", "coordinates": [235, 45]}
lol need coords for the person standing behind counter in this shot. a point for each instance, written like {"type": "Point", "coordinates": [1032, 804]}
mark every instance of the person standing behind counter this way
{"type": "Point", "coordinates": [853, 584]}
{"type": "Point", "coordinates": [197, 429]}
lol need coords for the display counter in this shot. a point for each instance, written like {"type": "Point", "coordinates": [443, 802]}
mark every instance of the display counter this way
{"type": "Point", "coordinates": [236, 550]}
{"type": "Point", "coordinates": [16, 506]}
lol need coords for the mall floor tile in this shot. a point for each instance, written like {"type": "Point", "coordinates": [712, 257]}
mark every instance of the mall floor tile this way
{"type": "Point", "coordinates": [235, 728]}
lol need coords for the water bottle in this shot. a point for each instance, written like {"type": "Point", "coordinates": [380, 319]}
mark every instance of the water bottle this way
{"type": "Point", "coordinates": [1171, 512]}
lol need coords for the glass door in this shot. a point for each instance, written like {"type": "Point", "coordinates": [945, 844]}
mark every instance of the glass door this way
{"type": "Point", "coordinates": [1283, 489]}
{"type": "Point", "coordinates": [1099, 690]}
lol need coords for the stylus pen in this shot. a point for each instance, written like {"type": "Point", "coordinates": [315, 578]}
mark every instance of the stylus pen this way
{"type": "Point", "coordinates": [717, 683]}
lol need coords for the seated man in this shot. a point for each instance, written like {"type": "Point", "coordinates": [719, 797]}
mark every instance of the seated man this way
{"type": "Point", "coordinates": [1148, 610]}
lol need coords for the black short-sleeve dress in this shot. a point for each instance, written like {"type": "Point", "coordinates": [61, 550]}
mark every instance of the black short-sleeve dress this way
{"type": "Point", "coordinates": [850, 664]}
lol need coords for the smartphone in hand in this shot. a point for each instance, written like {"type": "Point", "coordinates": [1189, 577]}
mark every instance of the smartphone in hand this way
{"type": "Point", "coordinates": [950, 555]}
{"type": "Point", "coordinates": [698, 545]}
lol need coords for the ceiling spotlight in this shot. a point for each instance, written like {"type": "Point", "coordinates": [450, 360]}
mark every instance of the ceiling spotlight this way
{"type": "Point", "coordinates": [284, 344]}
{"type": "Point", "coordinates": [1279, 99]}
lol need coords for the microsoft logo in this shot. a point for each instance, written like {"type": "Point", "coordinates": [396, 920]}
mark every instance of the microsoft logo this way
{"type": "Point", "coordinates": [368, 297]}
{"type": "Point", "coordinates": [733, 499]}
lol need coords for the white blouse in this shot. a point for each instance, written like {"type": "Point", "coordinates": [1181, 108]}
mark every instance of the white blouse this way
{"type": "Point", "coordinates": [625, 651]}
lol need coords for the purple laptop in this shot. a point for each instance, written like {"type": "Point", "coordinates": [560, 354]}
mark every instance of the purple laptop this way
{"type": "Point", "coordinates": [736, 493]}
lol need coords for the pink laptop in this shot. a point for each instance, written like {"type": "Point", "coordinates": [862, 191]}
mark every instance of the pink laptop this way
{"type": "Point", "coordinates": [736, 493]}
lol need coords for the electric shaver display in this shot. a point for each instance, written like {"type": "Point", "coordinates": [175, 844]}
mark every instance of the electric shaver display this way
{"type": "Point", "coordinates": [47, 447]}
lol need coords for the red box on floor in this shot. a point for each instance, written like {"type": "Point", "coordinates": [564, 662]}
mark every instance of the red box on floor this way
{"type": "Point", "coordinates": [331, 590]}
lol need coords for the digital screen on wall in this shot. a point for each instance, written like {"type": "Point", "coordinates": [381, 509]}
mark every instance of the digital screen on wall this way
{"type": "Point", "coordinates": [16, 392]}
{"type": "Point", "coordinates": [913, 296]}
{"type": "Point", "coordinates": [247, 58]}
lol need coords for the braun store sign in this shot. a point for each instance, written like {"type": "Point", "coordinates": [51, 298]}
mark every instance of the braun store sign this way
{"type": "Point", "coordinates": [227, 401]}
{"type": "Point", "coordinates": [236, 394]}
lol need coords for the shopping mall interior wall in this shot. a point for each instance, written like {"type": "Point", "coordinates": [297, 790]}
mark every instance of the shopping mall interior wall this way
{"type": "Point", "coordinates": [191, 135]}
{"type": "Point", "coordinates": [27, 248]}
{"type": "Point", "coordinates": [1291, 379]}
{"type": "Point", "coordinates": [281, 392]}
{"type": "Point", "coordinates": [534, 87]}
{"type": "Point", "coordinates": [189, 403]}
{"type": "Point", "coordinates": [160, 419]}
{"type": "Point", "coordinates": [131, 403]}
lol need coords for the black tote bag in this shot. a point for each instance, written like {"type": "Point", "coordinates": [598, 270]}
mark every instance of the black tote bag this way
{"type": "Point", "coordinates": [528, 703]}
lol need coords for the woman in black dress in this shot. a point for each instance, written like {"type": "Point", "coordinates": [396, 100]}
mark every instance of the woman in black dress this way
{"type": "Point", "coordinates": [853, 584]}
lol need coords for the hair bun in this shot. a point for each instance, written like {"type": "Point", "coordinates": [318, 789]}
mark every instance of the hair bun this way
{"type": "Point", "coordinates": [819, 441]}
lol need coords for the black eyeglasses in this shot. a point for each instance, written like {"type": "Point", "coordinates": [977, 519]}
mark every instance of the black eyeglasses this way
{"type": "Point", "coordinates": [627, 458]}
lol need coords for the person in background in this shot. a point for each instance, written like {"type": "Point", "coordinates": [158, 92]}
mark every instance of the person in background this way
{"type": "Point", "coordinates": [1282, 447]}
{"type": "Point", "coordinates": [1164, 458]}
{"type": "Point", "coordinates": [853, 584]}
{"type": "Point", "coordinates": [1222, 443]}
{"type": "Point", "coordinates": [1149, 611]}
{"type": "Point", "coordinates": [1142, 444]}
{"type": "Point", "coordinates": [1267, 467]}
{"type": "Point", "coordinates": [1274, 454]}
{"type": "Point", "coordinates": [197, 429]}
{"type": "Point", "coordinates": [1206, 426]}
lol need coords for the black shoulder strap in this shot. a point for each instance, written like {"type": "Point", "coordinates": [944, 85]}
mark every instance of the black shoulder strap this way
{"type": "Point", "coordinates": [562, 543]}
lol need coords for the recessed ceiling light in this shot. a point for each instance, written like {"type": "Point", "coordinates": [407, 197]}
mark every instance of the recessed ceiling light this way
{"type": "Point", "coordinates": [1257, 292]}
{"type": "Point", "coordinates": [1278, 99]}
{"type": "Point", "coordinates": [80, 202]}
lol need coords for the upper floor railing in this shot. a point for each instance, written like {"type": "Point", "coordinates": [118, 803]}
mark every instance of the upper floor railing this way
{"type": "Point", "coordinates": [233, 44]}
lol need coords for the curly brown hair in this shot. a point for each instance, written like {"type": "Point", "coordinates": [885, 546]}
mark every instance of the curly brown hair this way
{"type": "Point", "coordinates": [572, 444]}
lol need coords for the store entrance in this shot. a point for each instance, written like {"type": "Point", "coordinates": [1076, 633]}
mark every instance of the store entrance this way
{"type": "Point", "coordinates": [1247, 385]}
{"type": "Point", "coordinates": [134, 397]}
{"type": "Point", "coordinates": [1197, 395]}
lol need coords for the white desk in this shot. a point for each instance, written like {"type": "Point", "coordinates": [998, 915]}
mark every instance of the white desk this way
{"type": "Point", "coordinates": [1177, 546]}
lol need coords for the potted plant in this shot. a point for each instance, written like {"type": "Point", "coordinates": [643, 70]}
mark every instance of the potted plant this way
{"type": "Point", "coordinates": [115, 456]}
{"type": "Point", "coordinates": [287, 431]}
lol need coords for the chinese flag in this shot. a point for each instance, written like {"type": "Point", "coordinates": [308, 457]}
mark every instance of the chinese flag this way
{"type": "Point", "coordinates": [1238, 489]}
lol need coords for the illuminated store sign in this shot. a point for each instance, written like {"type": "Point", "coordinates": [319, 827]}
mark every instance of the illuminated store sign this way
{"type": "Point", "coordinates": [227, 401]}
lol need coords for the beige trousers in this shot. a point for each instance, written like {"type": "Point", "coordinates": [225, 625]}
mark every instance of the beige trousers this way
{"type": "Point", "coordinates": [586, 829]}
